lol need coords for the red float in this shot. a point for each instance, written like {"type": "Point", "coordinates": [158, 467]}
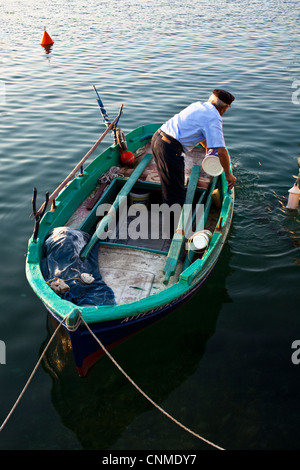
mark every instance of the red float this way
{"type": "Point", "coordinates": [127, 158]}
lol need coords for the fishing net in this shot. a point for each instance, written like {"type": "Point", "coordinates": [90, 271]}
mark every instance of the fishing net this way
{"type": "Point", "coordinates": [71, 278]}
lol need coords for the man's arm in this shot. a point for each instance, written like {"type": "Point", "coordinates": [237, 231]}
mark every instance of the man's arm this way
{"type": "Point", "coordinates": [225, 162]}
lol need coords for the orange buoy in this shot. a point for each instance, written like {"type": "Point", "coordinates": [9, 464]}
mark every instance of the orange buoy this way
{"type": "Point", "coordinates": [46, 39]}
{"type": "Point", "coordinates": [127, 158]}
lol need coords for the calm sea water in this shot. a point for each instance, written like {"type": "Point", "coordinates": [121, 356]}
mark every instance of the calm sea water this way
{"type": "Point", "coordinates": [221, 364]}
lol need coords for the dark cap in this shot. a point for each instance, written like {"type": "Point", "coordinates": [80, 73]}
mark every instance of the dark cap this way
{"type": "Point", "coordinates": [223, 95]}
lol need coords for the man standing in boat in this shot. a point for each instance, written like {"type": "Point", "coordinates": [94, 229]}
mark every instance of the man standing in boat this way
{"type": "Point", "coordinates": [198, 123]}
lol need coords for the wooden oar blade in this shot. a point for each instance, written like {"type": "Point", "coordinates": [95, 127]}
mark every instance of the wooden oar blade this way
{"type": "Point", "coordinates": [202, 220]}
{"type": "Point", "coordinates": [179, 236]}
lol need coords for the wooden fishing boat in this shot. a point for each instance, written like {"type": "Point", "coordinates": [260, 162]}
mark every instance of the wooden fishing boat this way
{"type": "Point", "coordinates": [119, 286]}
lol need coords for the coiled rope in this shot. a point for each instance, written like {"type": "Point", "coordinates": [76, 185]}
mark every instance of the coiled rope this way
{"type": "Point", "coordinates": [111, 174]}
{"type": "Point", "coordinates": [121, 370]}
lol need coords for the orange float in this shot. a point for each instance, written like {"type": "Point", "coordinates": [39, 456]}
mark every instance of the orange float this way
{"type": "Point", "coordinates": [46, 39]}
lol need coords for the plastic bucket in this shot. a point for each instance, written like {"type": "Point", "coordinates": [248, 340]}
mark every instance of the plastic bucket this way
{"type": "Point", "coordinates": [139, 197]}
{"type": "Point", "coordinates": [212, 166]}
{"type": "Point", "coordinates": [201, 240]}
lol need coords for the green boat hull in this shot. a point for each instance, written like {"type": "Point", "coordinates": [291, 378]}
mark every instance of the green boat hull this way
{"type": "Point", "coordinates": [113, 323]}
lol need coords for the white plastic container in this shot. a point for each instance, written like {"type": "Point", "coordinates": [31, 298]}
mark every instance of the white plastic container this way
{"type": "Point", "coordinates": [201, 240]}
{"type": "Point", "coordinates": [138, 198]}
{"type": "Point", "coordinates": [294, 196]}
{"type": "Point", "coordinates": [212, 166]}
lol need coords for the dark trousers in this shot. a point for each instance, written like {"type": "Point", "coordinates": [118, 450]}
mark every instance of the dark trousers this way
{"type": "Point", "coordinates": [170, 165]}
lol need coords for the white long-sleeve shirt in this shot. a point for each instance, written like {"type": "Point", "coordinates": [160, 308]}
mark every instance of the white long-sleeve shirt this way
{"type": "Point", "coordinates": [196, 123]}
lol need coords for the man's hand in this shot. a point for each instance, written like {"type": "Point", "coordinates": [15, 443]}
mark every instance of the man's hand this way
{"type": "Point", "coordinates": [231, 179]}
{"type": "Point", "coordinates": [225, 162]}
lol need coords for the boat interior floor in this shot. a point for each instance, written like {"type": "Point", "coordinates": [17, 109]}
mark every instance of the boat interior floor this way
{"type": "Point", "coordinates": [133, 274]}
{"type": "Point", "coordinates": [141, 231]}
{"type": "Point", "coordinates": [134, 268]}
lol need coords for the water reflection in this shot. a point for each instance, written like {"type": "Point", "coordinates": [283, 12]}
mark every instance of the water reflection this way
{"type": "Point", "coordinates": [99, 408]}
{"type": "Point", "coordinates": [47, 48]}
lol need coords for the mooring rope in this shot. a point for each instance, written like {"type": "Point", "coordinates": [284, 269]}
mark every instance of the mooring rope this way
{"type": "Point", "coordinates": [120, 369]}
{"type": "Point", "coordinates": [145, 395]}
{"type": "Point", "coordinates": [32, 373]}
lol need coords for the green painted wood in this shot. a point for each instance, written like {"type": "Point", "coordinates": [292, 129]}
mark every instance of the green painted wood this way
{"type": "Point", "coordinates": [110, 191]}
{"type": "Point", "coordinates": [111, 214]}
{"type": "Point", "coordinates": [200, 267]}
{"type": "Point", "coordinates": [201, 222]}
{"type": "Point", "coordinates": [193, 218]}
{"type": "Point", "coordinates": [73, 318]}
{"type": "Point", "coordinates": [179, 236]}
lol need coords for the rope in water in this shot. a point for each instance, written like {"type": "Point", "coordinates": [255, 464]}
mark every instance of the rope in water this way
{"type": "Point", "coordinates": [120, 369]}
{"type": "Point", "coordinates": [32, 374]}
{"type": "Point", "coordinates": [145, 395]}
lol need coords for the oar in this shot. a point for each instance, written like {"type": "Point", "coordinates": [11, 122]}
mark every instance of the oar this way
{"type": "Point", "coordinates": [78, 166]}
{"type": "Point", "coordinates": [179, 236]}
{"type": "Point", "coordinates": [194, 218]}
{"type": "Point", "coordinates": [114, 207]}
{"type": "Point", "coordinates": [201, 222]}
